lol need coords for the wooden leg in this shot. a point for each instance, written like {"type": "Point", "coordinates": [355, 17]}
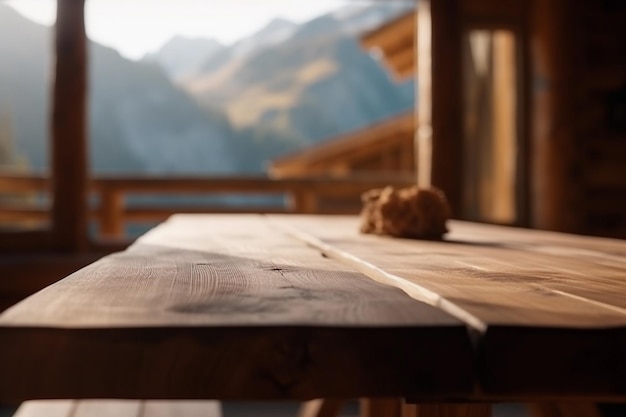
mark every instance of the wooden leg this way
{"type": "Point", "coordinates": [565, 409]}
{"type": "Point", "coordinates": [326, 407]}
{"type": "Point", "coordinates": [446, 410]}
{"type": "Point", "coordinates": [381, 407]}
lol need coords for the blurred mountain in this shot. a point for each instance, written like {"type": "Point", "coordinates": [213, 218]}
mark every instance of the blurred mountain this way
{"type": "Point", "coordinates": [182, 56]}
{"type": "Point", "coordinates": [315, 83]}
{"type": "Point", "coordinates": [275, 32]}
{"type": "Point", "coordinates": [196, 106]}
{"type": "Point", "coordinates": [136, 109]}
{"type": "Point", "coordinates": [140, 121]}
{"type": "Point", "coordinates": [24, 82]}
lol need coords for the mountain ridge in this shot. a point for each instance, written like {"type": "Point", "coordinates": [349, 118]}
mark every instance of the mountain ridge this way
{"type": "Point", "coordinates": [130, 112]}
{"type": "Point", "coordinates": [285, 85]}
{"type": "Point", "coordinates": [182, 56]}
{"type": "Point", "coordinates": [144, 119]}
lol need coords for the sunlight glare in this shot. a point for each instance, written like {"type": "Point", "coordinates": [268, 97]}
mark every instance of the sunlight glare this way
{"type": "Point", "coordinates": [137, 27]}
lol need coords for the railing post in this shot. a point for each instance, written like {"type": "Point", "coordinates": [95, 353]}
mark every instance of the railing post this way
{"type": "Point", "coordinates": [111, 213]}
{"type": "Point", "coordinates": [303, 202]}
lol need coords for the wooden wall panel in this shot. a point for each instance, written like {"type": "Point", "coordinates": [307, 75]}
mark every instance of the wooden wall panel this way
{"type": "Point", "coordinates": [555, 165]}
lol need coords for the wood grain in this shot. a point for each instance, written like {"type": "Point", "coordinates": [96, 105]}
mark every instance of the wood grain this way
{"type": "Point", "coordinates": [46, 408]}
{"type": "Point", "coordinates": [173, 316]}
{"type": "Point", "coordinates": [159, 408]}
{"type": "Point", "coordinates": [446, 410]}
{"type": "Point", "coordinates": [583, 277]}
{"type": "Point", "coordinates": [564, 409]}
{"type": "Point", "coordinates": [118, 408]}
{"type": "Point", "coordinates": [552, 300]}
{"type": "Point", "coordinates": [107, 408]}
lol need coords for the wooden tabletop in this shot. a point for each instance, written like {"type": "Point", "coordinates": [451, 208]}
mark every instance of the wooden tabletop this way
{"type": "Point", "coordinates": [300, 307]}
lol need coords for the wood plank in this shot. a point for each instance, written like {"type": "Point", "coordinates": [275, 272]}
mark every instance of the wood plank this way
{"type": "Point", "coordinates": [108, 408]}
{"type": "Point", "coordinates": [402, 62]}
{"type": "Point", "coordinates": [197, 294]}
{"type": "Point", "coordinates": [118, 408]}
{"type": "Point", "coordinates": [236, 185]}
{"type": "Point", "coordinates": [159, 408]}
{"type": "Point", "coordinates": [15, 183]}
{"type": "Point", "coordinates": [547, 303]}
{"type": "Point", "coordinates": [513, 258]}
{"type": "Point", "coordinates": [46, 408]}
{"type": "Point", "coordinates": [389, 34]}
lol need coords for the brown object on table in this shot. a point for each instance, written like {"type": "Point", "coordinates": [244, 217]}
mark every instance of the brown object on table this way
{"type": "Point", "coordinates": [405, 212]}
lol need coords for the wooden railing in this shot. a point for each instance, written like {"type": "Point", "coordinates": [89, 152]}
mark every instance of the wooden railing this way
{"type": "Point", "coordinates": [114, 202]}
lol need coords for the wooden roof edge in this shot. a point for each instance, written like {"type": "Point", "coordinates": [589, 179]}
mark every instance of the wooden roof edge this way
{"type": "Point", "coordinates": [369, 39]}
{"type": "Point", "coordinates": [338, 143]}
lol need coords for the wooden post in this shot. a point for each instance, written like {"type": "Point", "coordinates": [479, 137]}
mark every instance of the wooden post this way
{"type": "Point", "coordinates": [69, 129]}
{"type": "Point", "coordinates": [304, 201]}
{"type": "Point", "coordinates": [439, 130]}
{"type": "Point", "coordinates": [111, 213]}
{"type": "Point", "coordinates": [423, 96]}
{"type": "Point", "coordinates": [554, 180]}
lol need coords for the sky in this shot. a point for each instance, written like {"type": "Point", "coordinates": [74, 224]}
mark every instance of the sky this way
{"type": "Point", "coordinates": [135, 27]}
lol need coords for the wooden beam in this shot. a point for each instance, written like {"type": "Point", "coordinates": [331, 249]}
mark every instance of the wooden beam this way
{"type": "Point", "coordinates": [440, 124]}
{"type": "Point", "coordinates": [555, 173]}
{"type": "Point", "coordinates": [69, 129]}
{"type": "Point", "coordinates": [403, 62]}
{"type": "Point", "coordinates": [387, 36]}
{"type": "Point", "coordinates": [424, 99]}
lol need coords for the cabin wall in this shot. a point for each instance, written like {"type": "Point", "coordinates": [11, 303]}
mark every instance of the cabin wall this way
{"type": "Point", "coordinates": [578, 175]}
{"type": "Point", "coordinates": [602, 121]}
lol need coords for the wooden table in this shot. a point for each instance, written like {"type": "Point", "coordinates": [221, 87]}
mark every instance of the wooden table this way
{"type": "Point", "coordinates": [303, 307]}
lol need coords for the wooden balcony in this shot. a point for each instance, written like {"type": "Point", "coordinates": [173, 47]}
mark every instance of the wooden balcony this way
{"type": "Point", "coordinates": [112, 207]}
{"type": "Point", "coordinates": [30, 260]}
